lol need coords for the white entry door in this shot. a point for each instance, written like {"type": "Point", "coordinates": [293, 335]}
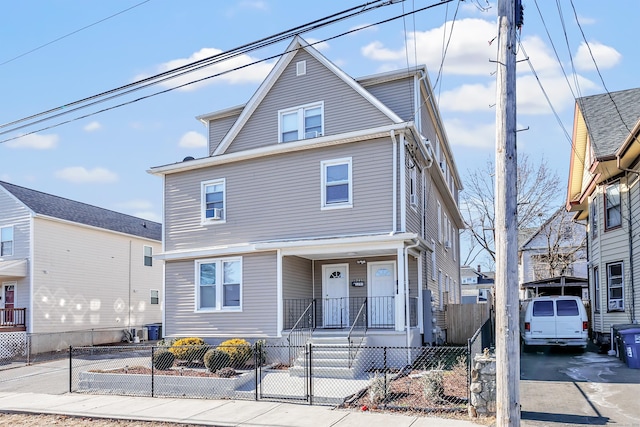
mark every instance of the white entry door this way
{"type": "Point", "coordinates": [381, 295]}
{"type": "Point", "coordinates": [335, 295]}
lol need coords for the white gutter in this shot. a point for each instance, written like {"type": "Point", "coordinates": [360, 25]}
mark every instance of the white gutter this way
{"type": "Point", "coordinates": [407, 310]}
{"type": "Point", "coordinates": [394, 203]}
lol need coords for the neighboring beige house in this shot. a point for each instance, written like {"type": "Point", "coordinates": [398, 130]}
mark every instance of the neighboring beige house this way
{"type": "Point", "coordinates": [74, 274]}
{"type": "Point", "coordinates": [604, 190]}
{"type": "Point", "coordinates": [326, 202]}
{"type": "Point", "coordinates": [553, 259]}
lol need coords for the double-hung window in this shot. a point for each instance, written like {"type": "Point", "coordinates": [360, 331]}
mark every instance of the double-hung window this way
{"type": "Point", "coordinates": [148, 256]}
{"type": "Point", "coordinates": [337, 185]}
{"type": "Point", "coordinates": [612, 206]}
{"type": "Point", "coordinates": [615, 286]}
{"type": "Point", "coordinates": [219, 284]}
{"type": "Point", "coordinates": [596, 290]}
{"type": "Point", "coordinates": [155, 297]}
{"type": "Point", "coordinates": [413, 193]}
{"type": "Point", "coordinates": [306, 121]}
{"type": "Point", "coordinates": [594, 217]}
{"type": "Point", "coordinates": [6, 241]}
{"type": "Point", "coordinates": [213, 201]}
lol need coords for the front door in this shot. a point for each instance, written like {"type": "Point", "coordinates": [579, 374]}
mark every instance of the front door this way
{"type": "Point", "coordinates": [335, 295]}
{"type": "Point", "coordinates": [381, 295]}
{"type": "Point", "coordinates": [8, 299]}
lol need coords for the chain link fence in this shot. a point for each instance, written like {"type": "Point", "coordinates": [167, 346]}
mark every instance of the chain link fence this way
{"type": "Point", "coordinates": [415, 379]}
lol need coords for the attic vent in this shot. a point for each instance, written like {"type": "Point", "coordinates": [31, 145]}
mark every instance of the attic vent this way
{"type": "Point", "coordinates": [301, 68]}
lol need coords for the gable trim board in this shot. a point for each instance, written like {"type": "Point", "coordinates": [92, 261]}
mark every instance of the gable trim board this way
{"type": "Point", "coordinates": [297, 43]}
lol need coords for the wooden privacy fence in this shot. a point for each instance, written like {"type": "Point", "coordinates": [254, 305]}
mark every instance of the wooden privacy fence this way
{"type": "Point", "coordinates": [463, 320]}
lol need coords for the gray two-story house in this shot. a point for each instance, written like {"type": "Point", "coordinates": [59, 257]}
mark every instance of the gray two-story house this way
{"type": "Point", "coordinates": [326, 202]}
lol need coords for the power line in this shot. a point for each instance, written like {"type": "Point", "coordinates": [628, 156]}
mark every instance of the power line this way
{"type": "Point", "coordinates": [73, 32]}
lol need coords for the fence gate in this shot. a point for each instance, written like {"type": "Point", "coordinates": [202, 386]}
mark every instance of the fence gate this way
{"type": "Point", "coordinates": [285, 382]}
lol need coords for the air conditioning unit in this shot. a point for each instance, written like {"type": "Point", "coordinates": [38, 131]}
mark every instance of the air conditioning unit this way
{"type": "Point", "coordinates": [143, 334]}
{"type": "Point", "coordinates": [447, 244]}
{"type": "Point", "coordinates": [312, 134]}
{"type": "Point", "coordinates": [215, 213]}
{"type": "Point", "coordinates": [413, 199]}
{"type": "Point", "coordinates": [616, 305]}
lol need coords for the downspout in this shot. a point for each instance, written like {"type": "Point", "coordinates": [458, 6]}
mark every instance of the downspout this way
{"type": "Point", "coordinates": [407, 310]}
{"type": "Point", "coordinates": [631, 269]}
{"type": "Point", "coordinates": [403, 184]}
{"type": "Point", "coordinates": [394, 203]}
{"type": "Point", "coordinates": [129, 315]}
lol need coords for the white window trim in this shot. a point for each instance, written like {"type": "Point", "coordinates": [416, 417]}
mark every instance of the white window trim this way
{"type": "Point", "coordinates": [323, 182]}
{"type": "Point", "coordinates": [439, 222]}
{"type": "Point", "coordinates": [301, 68]}
{"type": "Point", "coordinates": [219, 308]}
{"type": "Point", "coordinates": [13, 239]}
{"type": "Point", "coordinates": [144, 255]}
{"type": "Point", "coordinates": [151, 291]}
{"type": "Point", "coordinates": [413, 188]}
{"type": "Point", "coordinates": [203, 202]}
{"type": "Point", "coordinates": [609, 277]}
{"type": "Point", "coordinates": [300, 110]}
{"type": "Point", "coordinates": [607, 225]}
{"type": "Point", "coordinates": [433, 260]}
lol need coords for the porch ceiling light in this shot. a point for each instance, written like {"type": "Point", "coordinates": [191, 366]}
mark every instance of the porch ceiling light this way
{"type": "Point", "coordinates": [361, 261]}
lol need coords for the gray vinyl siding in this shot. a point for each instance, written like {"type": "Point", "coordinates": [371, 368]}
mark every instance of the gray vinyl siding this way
{"type": "Point", "coordinates": [635, 224]}
{"type": "Point", "coordinates": [297, 282]}
{"type": "Point", "coordinates": [413, 277]}
{"type": "Point", "coordinates": [279, 197]}
{"type": "Point", "coordinates": [218, 128]}
{"type": "Point", "coordinates": [427, 126]}
{"type": "Point", "coordinates": [14, 213]}
{"type": "Point", "coordinates": [344, 109]}
{"type": "Point", "coordinates": [398, 95]}
{"type": "Point", "coordinates": [258, 317]}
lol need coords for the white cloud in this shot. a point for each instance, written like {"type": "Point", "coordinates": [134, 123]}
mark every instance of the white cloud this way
{"type": "Point", "coordinates": [81, 175]}
{"type": "Point", "coordinates": [93, 126]}
{"type": "Point", "coordinates": [136, 204]}
{"type": "Point", "coordinates": [531, 100]}
{"type": "Point", "coordinates": [362, 28]}
{"type": "Point", "coordinates": [467, 98]}
{"type": "Point", "coordinates": [468, 53]}
{"type": "Point", "coordinates": [35, 141]}
{"type": "Point", "coordinates": [585, 20]}
{"type": "Point", "coordinates": [318, 46]}
{"type": "Point", "coordinates": [192, 139]}
{"type": "Point", "coordinates": [252, 74]}
{"type": "Point", "coordinates": [605, 56]}
{"type": "Point", "coordinates": [462, 133]}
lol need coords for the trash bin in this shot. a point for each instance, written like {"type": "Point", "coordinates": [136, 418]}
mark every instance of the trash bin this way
{"type": "Point", "coordinates": [154, 332]}
{"type": "Point", "coordinates": [631, 340]}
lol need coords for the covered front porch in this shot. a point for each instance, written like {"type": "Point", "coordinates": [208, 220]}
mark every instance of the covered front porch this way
{"type": "Point", "coordinates": [12, 317]}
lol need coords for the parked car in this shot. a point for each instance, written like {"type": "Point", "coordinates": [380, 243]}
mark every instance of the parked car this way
{"type": "Point", "coordinates": [553, 321]}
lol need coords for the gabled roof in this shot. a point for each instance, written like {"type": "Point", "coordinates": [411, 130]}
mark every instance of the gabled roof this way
{"type": "Point", "coordinates": [82, 213]}
{"type": "Point", "coordinates": [297, 44]}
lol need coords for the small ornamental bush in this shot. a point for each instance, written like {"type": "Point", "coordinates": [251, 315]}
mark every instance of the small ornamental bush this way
{"type": "Point", "coordinates": [189, 349]}
{"type": "Point", "coordinates": [226, 372]}
{"type": "Point", "coordinates": [216, 359]}
{"type": "Point", "coordinates": [163, 360]}
{"type": "Point", "coordinates": [239, 350]}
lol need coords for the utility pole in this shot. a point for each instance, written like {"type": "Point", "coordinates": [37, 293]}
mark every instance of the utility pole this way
{"type": "Point", "coordinates": [506, 226]}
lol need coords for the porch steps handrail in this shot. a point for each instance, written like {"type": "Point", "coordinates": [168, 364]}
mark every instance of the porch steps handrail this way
{"type": "Point", "coordinates": [298, 333]}
{"type": "Point", "coordinates": [353, 352]}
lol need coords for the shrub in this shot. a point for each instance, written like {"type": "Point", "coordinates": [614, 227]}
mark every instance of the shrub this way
{"type": "Point", "coordinates": [238, 349]}
{"type": "Point", "coordinates": [226, 372]}
{"type": "Point", "coordinates": [216, 359]}
{"type": "Point", "coordinates": [379, 388]}
{"type": "Point", "coordinates": [189, 349]}
{"type": "Point", "coordinates": [434, 385]}
{"type": "Point", "coordinates": [261, 354]}
{"type": "Point", "coordinates": [163, 360]}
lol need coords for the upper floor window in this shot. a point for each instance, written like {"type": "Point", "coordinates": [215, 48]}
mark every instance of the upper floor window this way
{"type": "Point", "coordinates": [213, 201]}
{"type": "Point", "coordinates": [148, 256]}
{"type": "Point", "coordinates": [615, 287]}
{"type": "Point", "coordinates": [594, 217]}
{"type": "Point", "coordinates": [302, 122]}
{"type": "Point", "coordinates": [596, 290]}
{"type": "Point", "coordinates": [337, 183]}
{"type": "Point", "coordinates": [219, 284]}
{"type": "Point", "coordinates": [439, 223]}
{"type": "Point", "coordinates": [6, 241]}
{"type": "Point", "coordinates": [413, 194]}
{"type": "Point", "coordinates": [155, 297]}
{"type": "Point", "coordinates": [612, 206]}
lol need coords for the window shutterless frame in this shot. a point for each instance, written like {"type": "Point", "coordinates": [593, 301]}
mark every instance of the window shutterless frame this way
{"type": "Point", "coordinates": [612, 206]}
{"type": "Point", "coordinates": [301, 122]}
{"type": "Point", "coordinates": [213, 202]}
{"type": "Point", "coordinates": [218, 285]}
{"type": "Point", "coordinates": [336, 183]}
{"type": "Point", "coordinates": [6, 241]}
{"type": "Point", "coordinates": [148, 256]}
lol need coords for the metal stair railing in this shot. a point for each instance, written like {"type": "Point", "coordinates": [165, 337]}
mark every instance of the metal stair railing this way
{"type": "Point", "coordinates": [353, 350]}
{"type": "Point", "coordinates": [301, 331]}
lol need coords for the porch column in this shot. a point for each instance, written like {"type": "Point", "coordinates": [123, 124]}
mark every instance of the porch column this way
{"type": "Point", "coordinates": [399, 297]}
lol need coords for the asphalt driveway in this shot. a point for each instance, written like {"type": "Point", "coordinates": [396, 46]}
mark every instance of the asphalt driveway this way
{"type": "Point", "coordinates": [567, 388]}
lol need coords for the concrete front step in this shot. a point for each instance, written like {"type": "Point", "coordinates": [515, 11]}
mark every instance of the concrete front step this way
{"type": "Point", "coordinates": [324, 372]}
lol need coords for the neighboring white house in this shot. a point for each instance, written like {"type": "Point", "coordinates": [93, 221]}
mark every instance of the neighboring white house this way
{"type": "Point", "coordinates": [553, 260]}
{"type": "Point", "coordinates": [323, 194]}
{"type": "Point", "coordinates": [72, 273]}
{"type": "Point", "coordinates": [477, 286]}
{"type": "Point", "coordinates": [604, 191]}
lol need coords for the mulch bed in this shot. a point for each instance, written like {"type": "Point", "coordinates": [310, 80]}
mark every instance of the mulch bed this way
{"type": "Point", "coordinates": [179, 372]}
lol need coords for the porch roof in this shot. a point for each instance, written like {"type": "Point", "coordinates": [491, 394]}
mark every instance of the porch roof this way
{"type": "Point", "coordinates": [15, 268]}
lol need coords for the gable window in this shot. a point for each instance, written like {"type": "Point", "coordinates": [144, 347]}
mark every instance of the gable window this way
{"type": "Point", "coordinates": [596, 290]}
{"type": "Point", "coordinates": [155, 297]}
{"type": "Point", "coordinates": [6, 241]}
{"type": "Point", "coordinates": [219, 284]}
{"type": "Point", "coordinates": [213, 201]}
{"type": "Point", "coordinates": [302, 122]}
{"type": "Point", "coordinates": [148, 256]}
{"type": "Point", "coordinates": [336, 183]}
{"type": "Point", "coordinates": [612, 206]}
{"type": "Point", "coordinates": [615, 287]}
{"type": "Point", "coordinates": [594, 217]}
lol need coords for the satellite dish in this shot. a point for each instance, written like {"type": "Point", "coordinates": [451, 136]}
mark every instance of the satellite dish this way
{"type": "Point", "coordinates": [187, 158]}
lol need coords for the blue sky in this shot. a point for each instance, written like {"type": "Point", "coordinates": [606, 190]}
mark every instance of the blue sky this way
{"type": "Point", "coordinates": [103, 159]}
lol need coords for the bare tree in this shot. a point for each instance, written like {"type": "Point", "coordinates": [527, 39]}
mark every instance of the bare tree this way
{"type": "Point", "coordinates": [539, 192]}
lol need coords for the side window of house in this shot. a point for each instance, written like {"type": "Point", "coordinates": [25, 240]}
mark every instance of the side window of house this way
{"type": "Point", "coordinates": [413, 194]}
{"type": "Point", "coordinates": [612, 206]}
{"type": "Point", "coordinates": [303, 122]}
{"type": "Point", "coordinates": [6, 241]}
{"type": "Point", "coordinates": [336, 180]}
{"type": "Point", "coordinates": [594, 217]}
{"type": "Point", "coordinates": [433, 261]}
{"type": "Point", "coordinates": [596, 290]}
{"type": "Point", "coordinates": [219, 284]}
{"type": "Point", "coordinates": [213, 201]}
{"type": "Point", "coordinates": [615, 287]}
{"type": "Point", "coordinates": [155, 297]}
{"type": "Point", "coordinates": [439, 223]}
{"type": "Point", "coordinates": [148, 256]}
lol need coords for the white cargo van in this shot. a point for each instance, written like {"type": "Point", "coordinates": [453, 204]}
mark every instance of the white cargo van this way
{"type": "Point", "coordinates": [553, 321]}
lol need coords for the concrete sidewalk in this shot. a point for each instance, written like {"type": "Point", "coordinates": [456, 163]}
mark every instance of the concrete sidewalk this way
{"type": "Point", "coordinates": [210, 412]}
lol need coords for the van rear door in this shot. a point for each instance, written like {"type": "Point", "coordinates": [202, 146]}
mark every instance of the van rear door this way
{"type": "Point", "coordinates": [569, 324]}
{"type": "Point", "coordinates": [543, 323]}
